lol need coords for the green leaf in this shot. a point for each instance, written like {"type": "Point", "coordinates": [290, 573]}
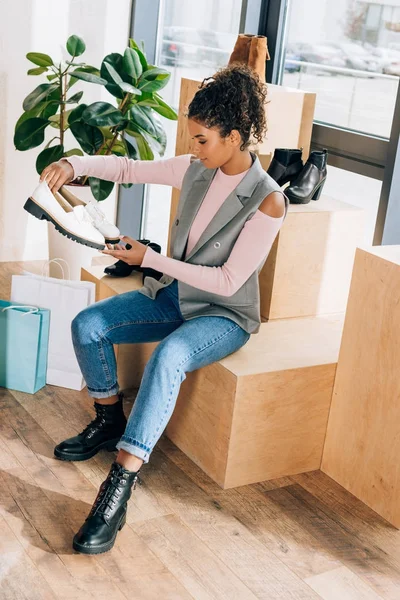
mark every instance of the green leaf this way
{"type": "Point", "coordinates": [140, 53]}
{"type": "Point", "coordinates": [164, 110]}
{"type": "Point", "coordinates": [100, 189]}
{"type": "Point", "coordinates": [102, 114]}
{"type": "Point", "coordinates": [37, 71]}
{"type": "Point", "coordinates": [40, 93]}
{"type": "Point", "coordinates": [75, 98]}
{"type": "Point", "coordinates": [115, 60]}
{"type": "Point", "coordinates": [153, 80]}
{"type": "Point", "coordinates": [127, 185]}
{"type": "Point", "coordinates": [75, 45]}
{"type": "Point", "coordinates": [30, 133]}
{"type": "Point", "coordinates": [145, 152]}
{"type": "Point", "coordinates": [126, 87]}
{"type": "Point", "coordinates": [130, 149]}
{"type": "Point", "coordinates": [90, 138]}
{"type": "Point", "coordinates": [76, 113]}
{"type": "Point", "coordinates": [74, 152]}
{"type": "Point", "coordinates": [43, 60]}
{"type": "Point", "coordinates": [48, 156]}
{"type": "Point", "coordinates": [119, 148]}
{"type": "Point", "coordinates": [52, 77]}
{"type": "Point", "coordinates": [131, 63]}
{"type": "Point", "coordinates": [85, 76]}
{"type": "Point", "coordinates": [107, 133]}
{"type": "Point", "coordinates": [148, 123]}
{"type": "Point", "coordinates": [44, 110]}
{"type": "Point", "coordinates": [141, 117]}
{"type": "Point", "coordinates": [56, 119]}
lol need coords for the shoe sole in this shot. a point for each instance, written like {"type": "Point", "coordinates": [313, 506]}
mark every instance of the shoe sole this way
{"type": "Point", "coordinates": [32, 207]}
{"type": "Point", "coordinates": [103, 547]}
{"type": "Point", "coordinates": [109, 446]}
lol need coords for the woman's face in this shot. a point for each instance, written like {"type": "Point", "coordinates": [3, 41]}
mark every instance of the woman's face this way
{"type": "Point", "coordinates": [213, 150]}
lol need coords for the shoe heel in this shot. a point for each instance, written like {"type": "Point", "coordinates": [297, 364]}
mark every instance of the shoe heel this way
{"type": "Point", "coordinates": [36, 210]}
{"type": "Point", "coordinates": [123, 522]}
{"type": "Point", "coordinates": [110, 447]}
{"type": "Point", "coordinates": [318, 191]}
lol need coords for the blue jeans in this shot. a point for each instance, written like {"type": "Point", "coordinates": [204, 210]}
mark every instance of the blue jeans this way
{"type": "Point", "coordinates": [185, 346]}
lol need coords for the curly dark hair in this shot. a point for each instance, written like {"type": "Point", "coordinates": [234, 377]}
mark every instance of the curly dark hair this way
{"type": "Point", "coordinates": [234, 98]}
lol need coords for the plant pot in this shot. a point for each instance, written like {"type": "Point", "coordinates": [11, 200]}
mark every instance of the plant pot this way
{"type": "Point", "coordinates": [76, 255]}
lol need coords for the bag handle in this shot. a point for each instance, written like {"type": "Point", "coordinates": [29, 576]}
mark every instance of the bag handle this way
{"type": "Point", "coordinates": [58, 262]}
{"type": "Point", "coordinates": [34, 309]}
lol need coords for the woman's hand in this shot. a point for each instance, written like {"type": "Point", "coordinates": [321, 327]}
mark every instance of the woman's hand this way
{"type": "Point", "coordinates": [134, 256]}
{"type": "Point", "coordinates": [57, 174]}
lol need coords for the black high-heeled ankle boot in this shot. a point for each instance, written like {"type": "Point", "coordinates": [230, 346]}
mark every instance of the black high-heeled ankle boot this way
{"type": "Point", "coordinates": [108, 513]}
{"type": "Point", "coordinates": [122, 269]}
{"type": "Point", "coordinates": [309, 184]}
{"type": "Point", "coordinates": [286, 165]}
{"type": "Point", "coordinates": [104, 432]}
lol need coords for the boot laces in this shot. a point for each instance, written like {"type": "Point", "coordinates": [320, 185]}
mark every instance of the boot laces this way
{"type": "Point", "coordinates": [97, 423]}
{"type": "Point", "coordinates": [109, 493]}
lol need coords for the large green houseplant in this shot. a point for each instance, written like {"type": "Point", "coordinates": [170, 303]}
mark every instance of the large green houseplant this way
{"type": "Point", "coordinates": [99, 128]}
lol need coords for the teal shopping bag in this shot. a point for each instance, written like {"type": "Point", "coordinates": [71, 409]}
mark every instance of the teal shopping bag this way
{"type": "Point", "coordinates": [24, 338]}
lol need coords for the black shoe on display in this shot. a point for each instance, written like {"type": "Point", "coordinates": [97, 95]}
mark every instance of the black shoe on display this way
{"type": "Point", "coordinates": [108, 513]}
{"type": "Point", "coordinates": [286, 165]}
{"type": "Point", "coordinates": [122, 269]}
{"type": "Point", "coordinates": [309, 184]}
{"type": "Point", "coordinates": [103, 433]}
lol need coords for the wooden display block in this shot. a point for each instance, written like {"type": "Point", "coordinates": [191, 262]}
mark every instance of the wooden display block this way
{"type": "Point", "coordinates": [308, 270]}
{"type": "Point", "coordinates": [290, 114]}
{"type": "Point", "coordinates": [261, 412]}
{"type": "Point", "coordinates": [362, 446]}
{"type": "Point", "coordinates": [131, 358]}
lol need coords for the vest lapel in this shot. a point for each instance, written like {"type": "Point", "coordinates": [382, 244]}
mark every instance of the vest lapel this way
{"type": "Point", "coordinates": [229, 209]}
{"type": "Point", "coordinates": [194, 198]}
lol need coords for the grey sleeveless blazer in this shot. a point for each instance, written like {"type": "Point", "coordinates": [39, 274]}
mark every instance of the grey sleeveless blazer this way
{"type": "Point", "coordinates": [216, 243]}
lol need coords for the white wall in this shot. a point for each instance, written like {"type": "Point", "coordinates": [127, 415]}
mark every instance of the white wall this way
{"type": "Point", "coordinates": [43, 26]}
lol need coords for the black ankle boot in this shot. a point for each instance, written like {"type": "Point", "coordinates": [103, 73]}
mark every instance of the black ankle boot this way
{"type": "Point", "coordinates": [108, 514]}
{"type": "Point", "coordinates": [311, 180]}
{"type": "Point", "coordinates": [286, 165]}
{"type": "Point", "coordinates": [122, 269]}
{"type": "Point", "coordinates": [104, 432]}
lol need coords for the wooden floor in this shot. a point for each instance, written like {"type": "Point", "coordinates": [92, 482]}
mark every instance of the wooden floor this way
{"type": "Point", "coordinates": [299, 538]}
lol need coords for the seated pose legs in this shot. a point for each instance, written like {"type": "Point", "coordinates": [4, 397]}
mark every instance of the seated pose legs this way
{"type": "Point", "coordinates": [206, 304]}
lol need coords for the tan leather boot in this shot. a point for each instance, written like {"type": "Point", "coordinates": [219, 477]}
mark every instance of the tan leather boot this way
{"type": "Point", "coordinates": [258, 54]}
{"type": "Point", "coordinates": [241, 50]}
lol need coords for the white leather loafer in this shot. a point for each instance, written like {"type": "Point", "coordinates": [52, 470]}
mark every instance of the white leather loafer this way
{"type": "Point", "coordinates": [73, 222]}
{"type": "Point", "coordinates": [110, 232]}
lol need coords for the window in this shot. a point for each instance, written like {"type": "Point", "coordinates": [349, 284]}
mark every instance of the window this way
{"type": "Point", "coordinates": [348, 52]}
{"type": "Point", "coordinates": [191, 44]}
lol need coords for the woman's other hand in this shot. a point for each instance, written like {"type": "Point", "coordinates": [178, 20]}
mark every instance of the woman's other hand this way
{"type": "Point", "coordinates": [57, 174]}
{"type": "Point", "coordinates": [134, 256]}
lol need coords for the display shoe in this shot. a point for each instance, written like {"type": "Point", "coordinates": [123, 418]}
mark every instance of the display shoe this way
{"type": "Point", "coordinates": [122, 269]}
{"type": "Point", "coordinates": [309, 183]}
{"type": "Point", "coordinates": [286, 165]}
{"type": "Point", "coordinates": [108, 513]}
{"type": "Point", "coordinates": [110, 232]}
{"type": "Point", "coordinates": [240, 53]}
{"type": "Point", "coordinates": [104, 432]}
{"type": "Point", "coordinates": [72, 222]}
{"type": "Point", "coordinates": [258, 55]}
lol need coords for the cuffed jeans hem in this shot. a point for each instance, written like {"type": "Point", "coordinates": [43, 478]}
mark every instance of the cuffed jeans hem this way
{"type": "Point", "coordinates": [133, 447]}
{"type": "Point", "coordinates": [103, 393]}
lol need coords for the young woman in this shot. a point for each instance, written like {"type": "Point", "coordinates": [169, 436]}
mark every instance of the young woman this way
{"type": "Point", "coordinates": [204, 307]}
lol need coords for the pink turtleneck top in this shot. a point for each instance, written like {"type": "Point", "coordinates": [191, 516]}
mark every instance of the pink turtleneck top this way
{"type": "Point", "coordinates": [252, 245]}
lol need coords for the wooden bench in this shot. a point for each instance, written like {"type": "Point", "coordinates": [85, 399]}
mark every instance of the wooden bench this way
{"type": "Point", "coordinates": [258, 414]}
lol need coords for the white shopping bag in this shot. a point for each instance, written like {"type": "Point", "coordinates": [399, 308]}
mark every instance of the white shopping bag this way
{"type": "Point", "coordinates": [65, 299]}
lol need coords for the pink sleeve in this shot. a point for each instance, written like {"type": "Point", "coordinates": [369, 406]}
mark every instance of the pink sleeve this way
{"type": "Point", "coordinates": [252, 246]}
{"type": "Point", "coordinates": [168, 171]}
